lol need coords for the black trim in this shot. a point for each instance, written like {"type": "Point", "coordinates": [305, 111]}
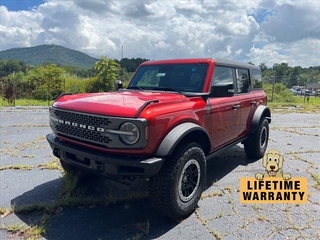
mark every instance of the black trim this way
{"type": "Point", "coordinates": [102, 163]}
{"type": "Point", "coordinates": [144, 106]}
{"type": "Point", "coordinates": [63, 94]}
{"type": "Point", "coordinates": [216, 152]}
{"type": "Point", "coordinates": [176, 134]}
{"type": "Point", "coordinates": [260, 111]}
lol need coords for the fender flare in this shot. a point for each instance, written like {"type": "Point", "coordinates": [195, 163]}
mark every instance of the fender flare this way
{"type": "Point", "coordinates": [261, 112]}
{"type": "Point", "coordinates": [172, 139]}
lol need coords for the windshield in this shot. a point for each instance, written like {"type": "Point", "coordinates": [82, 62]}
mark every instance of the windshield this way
{"type": "Point", "coordinates": [170, 77]}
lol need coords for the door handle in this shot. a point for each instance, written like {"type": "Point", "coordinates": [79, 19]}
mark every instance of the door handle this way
{"type": "Point", "coordinates": [253, 102]}
{"type": "Point", "coordinates": [236, 106]}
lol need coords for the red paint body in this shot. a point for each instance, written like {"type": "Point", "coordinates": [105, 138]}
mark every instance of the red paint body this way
{"type": "Point", "coordinates": [216, 115]}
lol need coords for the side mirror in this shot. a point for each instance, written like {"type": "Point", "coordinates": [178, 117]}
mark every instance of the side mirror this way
{"type": "Point", "coordinates": [222, 90]}
{"type": "Point", "coordinates": [118, 85]}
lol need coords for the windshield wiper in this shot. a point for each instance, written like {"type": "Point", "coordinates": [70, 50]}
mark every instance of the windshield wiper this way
{"type": "Point", "coordinates": [166, 89]}
{"type": "Point", "coordinates": [135, 87]}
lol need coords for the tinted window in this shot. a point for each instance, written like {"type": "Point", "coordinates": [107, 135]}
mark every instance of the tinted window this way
{"type": "Point", "coordinates": [243, 81]}
{"type": "Point", "coordinates": [222, 75]}
{"type": "Point", "coordinates": [256, 78]}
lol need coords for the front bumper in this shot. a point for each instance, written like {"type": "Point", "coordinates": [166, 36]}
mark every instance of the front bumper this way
{"type": "Point", "coordinates": [104, 164]}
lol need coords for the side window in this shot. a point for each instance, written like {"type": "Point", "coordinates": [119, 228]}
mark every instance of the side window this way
{"type": "Point", "coordinates": [222, 75]}
{"type": "Point", "coordinates": [243, 81]}
{"type": "Point", "coordinates": [256, 78]}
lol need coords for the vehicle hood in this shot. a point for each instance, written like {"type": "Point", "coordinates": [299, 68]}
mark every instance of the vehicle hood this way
{"type": "Point", "coordinates": [119, 104]}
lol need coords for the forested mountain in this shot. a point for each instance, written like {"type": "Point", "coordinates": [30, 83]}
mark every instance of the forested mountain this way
{"type": "Point", "coordinates": [56, 54]}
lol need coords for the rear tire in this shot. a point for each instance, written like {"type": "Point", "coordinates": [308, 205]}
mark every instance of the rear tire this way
{"type": "Point", "coordinates": [255, 146]}
{"type": "Point", "coordinates": [177, 188]}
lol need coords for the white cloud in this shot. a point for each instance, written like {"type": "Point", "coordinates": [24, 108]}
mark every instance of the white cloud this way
{"type": "Point", "coordinates": [266, 31]}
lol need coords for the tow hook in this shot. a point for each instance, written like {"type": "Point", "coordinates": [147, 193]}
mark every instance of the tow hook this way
{"type": "Point", "coordinates": [100, 166]}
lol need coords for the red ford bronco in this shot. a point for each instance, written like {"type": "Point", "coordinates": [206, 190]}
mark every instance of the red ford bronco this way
{"type": "Point", "coordinates": [173, 116]}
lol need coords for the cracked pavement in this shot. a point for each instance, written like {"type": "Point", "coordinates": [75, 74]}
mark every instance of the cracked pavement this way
{"type": "Point", "coordinates": [24, 182]}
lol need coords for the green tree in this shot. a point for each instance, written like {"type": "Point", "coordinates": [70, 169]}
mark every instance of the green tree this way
{"type": "Point", "coordinates": [303, 79]}
{"type": "Point", "coordinates": [13, 87]}
{"type": "Point", "coordinates": [74, 84]}
{"type": "Point", "coordinates": [263, 67]}
{"type": "Point", "coordinates": [14, 65]}
{"type": "Point", "coordinates": [132, 64]}
{"type": "Point", "coordinates": [107, 71]}
{"type": "Point", "coordinates": [92, 84]}
{"type": "Point", "coordinates": [8, 91]}
{"type": "Point", "coordinates": [296, 71]}
{"type": "Point", "coordinates": [46, 81]}
{"type": "Point", "coordinates": [282, 73]}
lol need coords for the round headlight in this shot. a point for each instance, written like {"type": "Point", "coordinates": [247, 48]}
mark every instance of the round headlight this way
{"type": "Point", "coordinates": [130, 134]}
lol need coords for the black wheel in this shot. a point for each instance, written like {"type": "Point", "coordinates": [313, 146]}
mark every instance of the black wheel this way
{"type": "Point", "coordinates": [256, 145]}
{"type": "Point", "coordinates": [177, 188]}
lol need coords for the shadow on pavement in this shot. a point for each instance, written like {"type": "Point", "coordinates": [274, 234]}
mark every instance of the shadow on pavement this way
{"type": "Point", "coordinates": [122, 220]}
{"type": "Point", "coordinates": [224, 163]}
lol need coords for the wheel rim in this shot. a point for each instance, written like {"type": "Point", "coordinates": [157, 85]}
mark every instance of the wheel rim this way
{"type": "Point", "coordinates": [189, 180]}
{"type": "Point", "coordinates": [263, 137]}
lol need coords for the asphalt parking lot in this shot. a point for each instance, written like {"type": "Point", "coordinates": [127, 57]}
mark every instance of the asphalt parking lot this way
{"type": "Point", "coordinates": [130, 215]}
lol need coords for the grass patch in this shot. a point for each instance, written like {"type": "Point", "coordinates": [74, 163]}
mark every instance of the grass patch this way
{"type": "Point", "coordinates": [215, 234]}
{"type": "Point", "coordinates": [5, 211]}
{"type": "Point", "coordinates": [29, 156]}
{"type": "Point", "coordinates": [28, 102]}
{"type": "Point", "coordinates": [211, 194]}
{"type": "Point", "coordinates": [51, 165]}
{"type": "Point", "coordinates": [316, 177]}
{"type": "Point", "coordinates": [22, 167]}
{"type": "Point", "coordinates": [28, 232]}
{"type": "Point", "coordinates": [220, 214]}
{"type": "Point", "coordinates": [31, 208]}
{"type": "Point", "coordinates": [299, 104]}
{"type": "Point", "coordinates": [284, 99]}
{"type": "Point", "coordinates": [228, 188]}
{"type": "Point", "coordinates": [261, 217]}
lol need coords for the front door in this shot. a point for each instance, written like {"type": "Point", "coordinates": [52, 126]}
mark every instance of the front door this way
{"type": "Point", "coordinates": [224, 110]}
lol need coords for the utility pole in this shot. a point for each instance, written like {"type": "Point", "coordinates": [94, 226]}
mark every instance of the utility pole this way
{"type": "Point", "coordinates": [14, 88]}
{"type": "Point", "coordinates": [273, 82]}
{"type": "Point", "coordinates": [121, 52]}
{"type": "Point", "coordinates": [64, 87]}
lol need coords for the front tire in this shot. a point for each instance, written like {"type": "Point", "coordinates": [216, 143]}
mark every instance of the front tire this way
{"type": "Point", "coordinates": [255, 146]}
{"type": "Point", "coordinates": [177, 188]}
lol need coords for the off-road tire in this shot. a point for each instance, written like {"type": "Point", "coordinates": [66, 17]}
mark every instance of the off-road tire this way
{"type": "Point", "coordinates": [177, 188]}
{"type": "Point", "coordinates": [255, 146]}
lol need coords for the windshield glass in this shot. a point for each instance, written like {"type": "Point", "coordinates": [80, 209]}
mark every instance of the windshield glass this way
{"type": "Point", "coordinates": [170, 77]}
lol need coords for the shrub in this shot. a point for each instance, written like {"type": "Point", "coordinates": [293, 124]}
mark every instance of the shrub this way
{"type": "Point", "coordinates": [280, 94]}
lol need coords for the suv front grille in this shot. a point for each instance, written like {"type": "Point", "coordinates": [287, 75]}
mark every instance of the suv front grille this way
{"type": "Point", "coordinates": [83, 134]}
{"type": "Point", "coordinates": [94, 129]}
{"type": "Point", "coordinates": [82, 126]}
{"type": "Point", "coordinates": [82, 118]}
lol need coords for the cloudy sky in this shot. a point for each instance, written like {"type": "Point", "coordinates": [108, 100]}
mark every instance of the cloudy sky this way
{"type": "Point", "coordinates": [260, 31]}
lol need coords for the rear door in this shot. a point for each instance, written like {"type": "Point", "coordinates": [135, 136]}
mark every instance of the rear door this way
{"type": "Point", "coordinates": [248, 102]}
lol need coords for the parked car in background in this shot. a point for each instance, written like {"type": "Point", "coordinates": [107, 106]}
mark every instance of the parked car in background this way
{"type": "Point", "coordinates": [310, 93]}
{"type": "Point", "coordinates": [294, 91]}
{"type": "Point", "coordinates": [297, 90]}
